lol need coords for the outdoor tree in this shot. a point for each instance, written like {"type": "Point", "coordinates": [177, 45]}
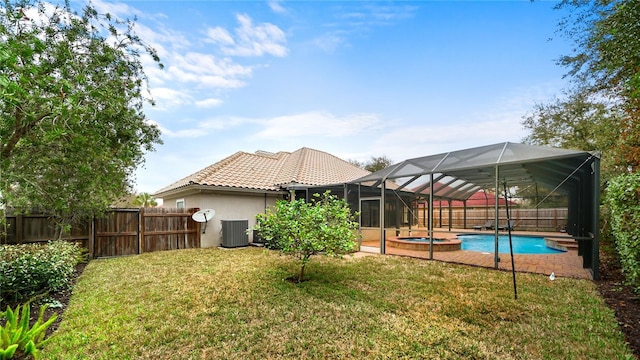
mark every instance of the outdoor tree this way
{"type": "Point", "coordinates": [357, 163]}
{"type": "Point", "coordinates": [145, 200]}
{"type": "Point", "coordinates": [605, 69]}
{"type": "Point", "coordinates": [374, 164]}
{"type": "Point", "coordinates": [377, 163]}
{"type": "Point", "coordinates": [303, 229]}
{"type": "Point", "coordinates": [606, 63]}
{"type": "Point", "coordinates": [582, 123]}
{"type": "Point", "coordinates": [72, 90]}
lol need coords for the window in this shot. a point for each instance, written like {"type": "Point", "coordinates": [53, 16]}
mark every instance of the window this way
{"type": "Point", "coordinates": [180, 204]}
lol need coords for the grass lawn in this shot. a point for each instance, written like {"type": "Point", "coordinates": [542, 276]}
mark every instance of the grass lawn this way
{"type": "Point", "coordinates": [224, 304]}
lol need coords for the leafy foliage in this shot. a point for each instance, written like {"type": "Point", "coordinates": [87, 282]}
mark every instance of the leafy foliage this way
{"type": "Point", "coordinates": [623, 198]}
{"type": "Point", "coordinates": [145, 200]}
{"type": "Point", "coordinates": [374, 164]}
{"type": "Point", "coordinates": [605, 34]}
{"type": "Point", "coordinates": [377, 163]}
{"type": "Point", "coordinates": [304, 229]}
{"type": "Point", "coordinates": [32, 269]}
{"type": "Point", "coordinates": [582, 123]}
{"type": "Point", "coordinates": [72, 90]}
{"type": "Point", "coordinates": [606, 61]}
{"type": "Point", "coordinates": [17, 338]}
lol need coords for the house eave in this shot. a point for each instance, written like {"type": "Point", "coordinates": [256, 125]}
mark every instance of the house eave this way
{"type": "Point", "coordinates": [191, 189]}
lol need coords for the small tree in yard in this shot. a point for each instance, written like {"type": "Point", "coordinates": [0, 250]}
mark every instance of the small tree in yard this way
{"type": "Point", "coordinates": [302, 229]}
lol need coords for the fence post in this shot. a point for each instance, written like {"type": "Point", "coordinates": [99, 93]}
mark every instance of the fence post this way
{"type": "Point", "coordinates": [91, 237]}
{"type": "Point", "coordinates": [19, 233]}
{"type": "Point", "coordinates": [141, 231]}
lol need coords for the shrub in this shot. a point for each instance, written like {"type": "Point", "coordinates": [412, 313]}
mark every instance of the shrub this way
{"type": "Point", "coordinates": [31, 269]}
{"type": "Point", "coordinates": [623, 199]}
{"type": "Point", "coordinates": [19, 339]}
{"type": "Point", "coordinates": [301, 229]}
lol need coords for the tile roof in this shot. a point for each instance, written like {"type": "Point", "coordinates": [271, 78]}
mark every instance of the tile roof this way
{"type": "Point", "coordinates": [268, 171]}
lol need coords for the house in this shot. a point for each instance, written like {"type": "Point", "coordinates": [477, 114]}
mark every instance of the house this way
{"type": "Point", "coordinates": [245, 184]}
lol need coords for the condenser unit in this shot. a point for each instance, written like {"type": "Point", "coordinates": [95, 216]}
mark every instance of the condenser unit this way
{"type": "Point", "coordinates": [234, 233]}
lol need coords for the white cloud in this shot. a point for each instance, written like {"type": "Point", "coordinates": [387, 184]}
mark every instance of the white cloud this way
{"type": "Point", "coordinates": [250, 39]}
{"type": "Point", "coordinates": [196, 128]}
{"type": "Point", "coordinates": [317, 124]}
{"type": "Point", "coordinates": [223, 123]}
{"type": "Point", "coordinates": [206, 71]}
{"type": "Point", "coordinates": [167, 97]}
{"type": "Point", "coordinates": [391, 12]}
{"type": "Point", "coordinates": [277, 7]}
{"type": "Point", "coordinates": [117, 9]}
{"type": "Point", "coordinates": [207, 64]}
{"type": "Point", "coordinates": [502, 122]}
{"type": "Point", "coordinates": [360, 19]}
{"type": "Point", "coordinates": [219, 35]}
{"type": "Point", "coordinates": [184, 133]}
{"type": "Point", "coordinates": [194, 75]}
{"type": "Point", "coordinates": [208, 103]}
{"type": "Point", "coordinates": [329, 42]}
{"type": "Point", "coordinates": [203, 79]}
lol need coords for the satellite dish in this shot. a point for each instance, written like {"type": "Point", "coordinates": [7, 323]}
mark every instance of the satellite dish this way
{"type": "Point", "coordinates": [203, 216]}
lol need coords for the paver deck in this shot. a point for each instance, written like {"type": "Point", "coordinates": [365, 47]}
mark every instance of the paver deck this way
{"type": "Point", "coordinates": [566, 264]}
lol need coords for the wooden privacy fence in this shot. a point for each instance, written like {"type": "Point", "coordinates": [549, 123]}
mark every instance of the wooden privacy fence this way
{"type": "Point", "coordinates": [526, 219]}
{"type": "Point", "coordinates": [121, 232]}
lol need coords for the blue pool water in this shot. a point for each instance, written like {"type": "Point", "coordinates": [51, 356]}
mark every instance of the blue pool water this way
{"type": "Point", "coordinates": [521, 244]}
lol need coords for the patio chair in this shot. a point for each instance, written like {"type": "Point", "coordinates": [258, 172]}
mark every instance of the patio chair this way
{"type": "Point", "coordinates": [488, 225]}
{"type": "Point", "coordinates": [510, 225]}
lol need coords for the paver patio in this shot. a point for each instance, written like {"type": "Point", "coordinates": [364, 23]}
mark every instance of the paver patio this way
{"type": "Point", "coordinates": [566, 264]}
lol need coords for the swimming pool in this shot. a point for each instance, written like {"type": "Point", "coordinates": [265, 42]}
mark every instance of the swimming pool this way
{"type": "Point", "coordinates": [521, 244]}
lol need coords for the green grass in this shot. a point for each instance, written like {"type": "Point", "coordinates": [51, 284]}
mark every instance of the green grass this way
{"type": "Point", "coordinates": [226, 304]}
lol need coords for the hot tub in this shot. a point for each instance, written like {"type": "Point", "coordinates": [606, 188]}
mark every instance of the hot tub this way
{"type": "Point", "coordinates": [422, 244]}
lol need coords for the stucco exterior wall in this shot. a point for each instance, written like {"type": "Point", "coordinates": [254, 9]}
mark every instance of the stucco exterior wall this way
{"type": "Point", "coordinates": [227, 206]}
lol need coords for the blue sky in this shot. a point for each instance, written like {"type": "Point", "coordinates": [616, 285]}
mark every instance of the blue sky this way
{"type": "Point", "coordinates": [356, 79]}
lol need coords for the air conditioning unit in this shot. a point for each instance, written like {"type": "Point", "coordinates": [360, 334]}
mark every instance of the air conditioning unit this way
{"type": "Point", "coordinates": [234, 233]}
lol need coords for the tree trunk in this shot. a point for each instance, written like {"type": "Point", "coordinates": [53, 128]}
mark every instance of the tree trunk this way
{"type": "Point", "coordinates": [301, 275]}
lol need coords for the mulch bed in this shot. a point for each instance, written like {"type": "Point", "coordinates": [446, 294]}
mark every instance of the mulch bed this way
{"type": "Point", "coordinates": [619, 297]}
{"type": "Point", "coordinates": [62, 297]}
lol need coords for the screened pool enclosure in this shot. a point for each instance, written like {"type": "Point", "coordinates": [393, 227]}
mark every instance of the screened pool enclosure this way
{"type": "Point", "coordinates": [457, 175]}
